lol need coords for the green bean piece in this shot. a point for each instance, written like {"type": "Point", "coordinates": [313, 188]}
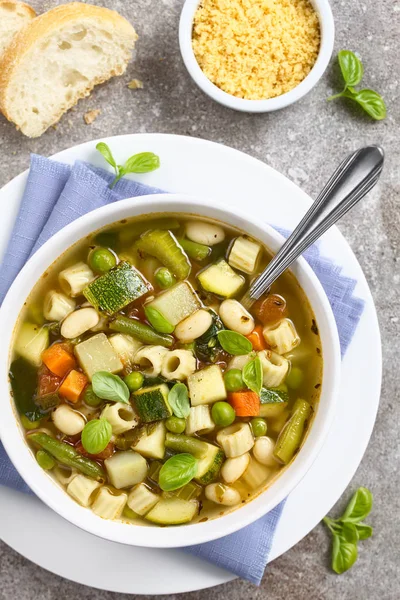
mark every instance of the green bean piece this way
{"type": "Point", "coordinates": [141, 331]}
{"type": "Point", "coordinates": [134, 381]}
{"type": "Point", "coordinates": [67, 455]}
{"type": "Point", "coordinates": [175, 424]}
{"type": "Point", "coordinates": [290, 437]}
{"type": "Point", "coordinates": [184, 443]}
{"type": "Point", "coordinates": [45, 460]}
{"type": "Point", "coordinates": [101, 260]}
{"type": "Point", "coordinates": [194, 250]}
{"type": "Point", "coordinates": [164, 278]}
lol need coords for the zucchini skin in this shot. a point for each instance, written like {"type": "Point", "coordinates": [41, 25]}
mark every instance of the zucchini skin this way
{"type": "Point", "coordinates": [212, 473]}
{"type": "Point", "coordinates": [114, 290]}
{"type": "Point", "coordinates": [141, 331]}
{"type": "Point", "coordinates": [152, 403]}
{"type": "Point", "coordinates": [24, 380]}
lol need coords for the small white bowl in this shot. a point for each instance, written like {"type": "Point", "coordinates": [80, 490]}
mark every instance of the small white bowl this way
{"type": "Point", "coordinates": [324, 12]}
{"type": "Point", "coordinates": [42, 483]}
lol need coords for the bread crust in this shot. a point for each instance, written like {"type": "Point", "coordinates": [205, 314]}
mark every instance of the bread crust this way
{"type": "Point", "coordinates": [43, 26]}
{"type": "Point", "coordinates": [30, 12]}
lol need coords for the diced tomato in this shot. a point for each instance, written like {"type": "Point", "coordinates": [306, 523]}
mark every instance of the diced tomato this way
{"type": "Point", "coordinates": [48, 382]}
{"type": "Point", "coordinates": [107, 452]}
{"type": "Point", "coordinates": [271, 309]}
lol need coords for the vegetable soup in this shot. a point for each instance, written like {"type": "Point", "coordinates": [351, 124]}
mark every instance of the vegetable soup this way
{"type": "Point", "coordinates": [145, 387]}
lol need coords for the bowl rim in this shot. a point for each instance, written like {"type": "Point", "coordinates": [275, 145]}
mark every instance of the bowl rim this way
{"type": "Point", "coordinates": [327, 25]}
{"type": "Point", "coordinates": [51, 492]}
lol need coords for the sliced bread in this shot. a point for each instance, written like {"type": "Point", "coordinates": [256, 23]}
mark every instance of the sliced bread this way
{"type": "Point", "coordinates": [13, 16]}
{"type": "Point", "coordinates": [57, 59]}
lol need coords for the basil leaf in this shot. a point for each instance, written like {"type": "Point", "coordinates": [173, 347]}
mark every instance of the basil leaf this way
{"type": "Point", "coordinates": [364, 531]}
{"type": "Point", "coordinates": [348, 532]}
{"type": "Point", "coordinates": [96, 435]}
{"type": "Point", "coordinates": [370, 101]}
{"type": "Point", "coordinates": [110, 387]}
{"type": "Point", "coordinates": [178, 399]}
{"type": "Point", "coordinates": [177, 472]}
{"type": "Point", "coordinates": [234, 343]}
{"type": "Point", "coordinates": [351, 67]}
{"type": "Point", "coordinates": [144, 162]}
{"type": "Point", "coordinates": [273, 396]}
{"type": "Point", "coordinates": [344, 555]}
{"type": "Point", "coordinates": [359, 506]}
{"type": "Point", "coordinates": [252, 375]}
{"type": "Point", "coordinates": [157, 320]}
{"type": "Point", "coordinates": [207, 346]}
{"type": "Point", "coordinates": [107, 154]}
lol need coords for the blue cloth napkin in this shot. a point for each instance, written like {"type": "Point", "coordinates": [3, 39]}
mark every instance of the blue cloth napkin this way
{"type": "Point", "coordinates": [57, 194]}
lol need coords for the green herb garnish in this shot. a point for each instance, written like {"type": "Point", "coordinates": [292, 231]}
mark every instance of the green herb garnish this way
{"type": "Point", "coordinates": [353, 71]}
{"type": "Point", "coordinates": [177, 471]}
{"type": "Point", "coordinates": [253, 375]}
{"type": "Point", "coordinates": [178, 399]}
{"type": "Point", "coordinates": [234, 343]}
{"type": "Point", "coordinates": [96, 435]}
{"type": "Point", "coordinates": [144, 162]}
{"type": "Point", "coordinates": [110, 387]}
{"type": "Point", "coordinates": [348, 530]}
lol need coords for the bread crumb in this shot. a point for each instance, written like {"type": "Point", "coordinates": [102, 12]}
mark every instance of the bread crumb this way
{"type": "Point", "coordinates": [91, 116]}
{"type": "Point", "coordinates": [256, 49]}
{"type": "Point", "coordinates": [135, 84]}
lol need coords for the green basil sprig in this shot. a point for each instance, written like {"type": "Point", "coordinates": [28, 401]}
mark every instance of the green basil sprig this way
{"type": "Point", "coordinates": [234, 343]}
{"type": "Point", "coordinates": [177, 471]}
{"type": "Point", "coordinates": [252, 375]}
{"type": "Point", "coordinates": [110, 387]}
{"type": "Point", "coordinates": [157, 320]}
{"type": "Point", "coordinates": [178, 399]}
{"type": "Point", "coordinates": [348, 530]}
{"type": "Point", "coordinates": [353, 71]}
{"type": "Point", "coordinates": [144, 162]}
{"type": "Point", "coordinates": [96, 435]}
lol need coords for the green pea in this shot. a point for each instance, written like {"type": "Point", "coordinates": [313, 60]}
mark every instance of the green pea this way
{"type": "Point", "coordinates": [90, 398]}
{"type": "Point", "coordinates": [134, 381]}
{"type": "Point", "coordinates": [27, 424]}
{"type": "Point", "coordinates": [295, 378]}
{"type": "Point", "coordinates": [223, 414]}
{"type": "Point", "coordinates": [164, 278]}
{"type": "Point", "coordinates": [258, 426]}
{"type": "Point", "coordinates": [45, 460]}
{"type": "Point", "coordinates": [101, 260]}
{"type": "Point", "coordinates": [233, 380]}
{"type": "Point", "coordinates": [175, 424]}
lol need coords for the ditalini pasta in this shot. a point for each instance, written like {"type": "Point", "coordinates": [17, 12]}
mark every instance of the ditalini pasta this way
{"type": "Point", "coordinates": [146, 389]}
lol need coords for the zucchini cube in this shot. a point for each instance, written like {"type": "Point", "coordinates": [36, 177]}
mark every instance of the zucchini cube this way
{"type": "Point", "coordinates": [116, 289]}
{"type": "Point", "coordinates": [177, 303]}
{"type": "Point", "coordinates": [206, 386]}
{"type": "Point", "coordinates": [97, 354]}
{"type": "Point", "coordinates": [151, 440]}
{"type": "Point", "coordinates": [221, 279]}
{"type": "Point", "coordinates": [152, 403]}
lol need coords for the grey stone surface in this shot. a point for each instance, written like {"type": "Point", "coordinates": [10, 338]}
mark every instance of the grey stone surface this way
{"type": "Point", "coordinates": [305, 142]}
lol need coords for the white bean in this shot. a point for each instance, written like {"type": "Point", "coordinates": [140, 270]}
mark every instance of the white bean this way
{"type": "Point", "coordinates": [68, 420]}
{"type": "Point", "coordinates": [236, 317]}
{"type": "Point", "coordinates": [76, 323]}
{"type": "Point", "coordinates": [263, 451]}
{"type": "Point", "coordinates": [204, 233]}
{"type": "Point", "coordinates": [193, 326]}
{"type": "Point", "coordinates": [222, 494]}
{"type": "Point", "coordinates": [233, 468]}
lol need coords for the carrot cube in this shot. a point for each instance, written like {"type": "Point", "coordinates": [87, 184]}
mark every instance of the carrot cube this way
{"type": "Point", "coordinates": [73, 386]}
{"type": "Point", "coordinates": [58, 360]}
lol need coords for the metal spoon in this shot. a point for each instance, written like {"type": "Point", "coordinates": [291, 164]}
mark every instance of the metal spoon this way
{"type": "Point", "coordinates": [351, 181]}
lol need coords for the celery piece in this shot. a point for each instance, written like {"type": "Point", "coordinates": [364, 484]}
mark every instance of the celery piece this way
{"type": "Point", "coordinates": [163, 245]}
{"type": "Point", "coordinates": [291, 435]}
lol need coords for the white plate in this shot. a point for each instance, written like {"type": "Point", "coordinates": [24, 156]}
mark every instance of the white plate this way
{"type": "Point", "coordinates": [194, 166]}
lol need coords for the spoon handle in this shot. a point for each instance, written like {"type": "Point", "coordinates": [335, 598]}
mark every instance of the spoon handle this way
{"type": "Point", "coordinates": [353, 178]}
